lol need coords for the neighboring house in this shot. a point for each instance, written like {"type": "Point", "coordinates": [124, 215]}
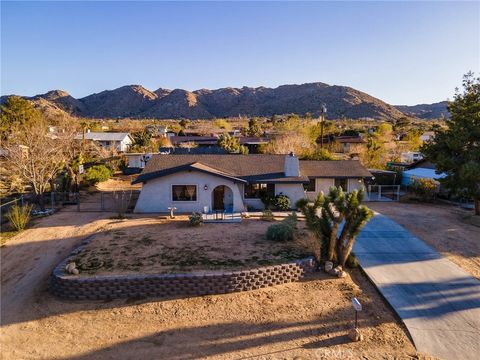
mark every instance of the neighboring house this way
{"type": "Point", "coordinates": [411, 157]}
{"type": "Point", "coordinates": [422, 169]}
{"type": "Point", "coordinates": [238, 182]}
{"type": "Point", "coordinates": [118, 141]}
{"type": "Point", "coordinates": [157, 131]}
{"type": "Point", "coordinates": [427, 136]}
{"type": "Point", "coordinates": [136, 162]}
{"type": "Point", "coordinates": [343, 144]}
{"type": "Point", "coordinates": [251, 142]}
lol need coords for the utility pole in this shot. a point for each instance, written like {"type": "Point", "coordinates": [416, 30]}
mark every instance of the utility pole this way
{"type": "Point", "coordinates": [323, 111]}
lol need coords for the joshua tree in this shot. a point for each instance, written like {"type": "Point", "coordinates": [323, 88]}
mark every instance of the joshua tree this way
{"type": "Point", "coordinates": [325, 216]}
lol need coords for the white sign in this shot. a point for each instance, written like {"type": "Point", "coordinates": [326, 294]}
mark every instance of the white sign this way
{"type": "Point", "coordinates": [356, 304]}
{"type": "Point", "coordinates": [80, 169]}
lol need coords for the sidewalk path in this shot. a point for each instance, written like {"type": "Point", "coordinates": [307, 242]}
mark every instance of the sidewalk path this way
{"type": "Point", "coordinates": [438, 302]}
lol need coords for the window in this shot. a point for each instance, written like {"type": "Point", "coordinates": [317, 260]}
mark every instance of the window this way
{"type": "Point", "coordinates": [184, 192]}
{"type": "Point", "coordinates": [343, 183]}
{"type": "Point", "coordinates": [257, 191]}
{"type": "Point", "coordinates": [310, 186]}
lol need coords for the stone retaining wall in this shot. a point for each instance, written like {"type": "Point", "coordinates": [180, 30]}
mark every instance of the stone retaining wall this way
{"type": "Point", "coordinates": [174, 285]}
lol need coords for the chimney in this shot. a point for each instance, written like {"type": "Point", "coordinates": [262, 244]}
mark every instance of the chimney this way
{"type": "Point", "coordinates": [292, 165]}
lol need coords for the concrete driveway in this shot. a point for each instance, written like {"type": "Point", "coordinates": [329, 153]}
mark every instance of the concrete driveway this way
{"type": "Point", "coordinates": [438, 302]}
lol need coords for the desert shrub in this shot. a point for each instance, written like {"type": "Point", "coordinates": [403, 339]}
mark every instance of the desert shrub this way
{"type": "Point", "coordinates": [301, 203]}
{"type": "Point", "coordinates": [280, 232]}
{"type": "Point", "coordinates": [291, 220]}
{"type": "Point", "coordinates": [97, 173]}
{"type": "Point", "coordinates": [195, 219]}
{"type": "Point", "coordinates": [268, 201]}
{"type": "Point", "coordinates": [424, 189]}
{"type": "Point", "coordinates": [19, 216]}
{"type": "Point", "coordinates": [267, 215]}
{"type": "Point", "coordinates": [283, 231]}
{"type": "Point", "coordinates": [282, 202]}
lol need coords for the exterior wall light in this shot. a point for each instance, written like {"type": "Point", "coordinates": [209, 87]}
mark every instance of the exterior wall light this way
{"type": "Point", "coordinates": [205, 187]}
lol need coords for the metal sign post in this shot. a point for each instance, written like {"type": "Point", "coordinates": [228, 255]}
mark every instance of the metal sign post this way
{"type": "Point", "coordinates": [358, 307]}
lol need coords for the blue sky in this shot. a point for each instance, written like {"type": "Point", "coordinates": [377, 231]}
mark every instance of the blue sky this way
{"type": "Point", "coordinates": [400, 52]}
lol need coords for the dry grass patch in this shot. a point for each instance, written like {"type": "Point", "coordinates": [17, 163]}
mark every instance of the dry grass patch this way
{"type": "Point", "coordinates": [152, 245]}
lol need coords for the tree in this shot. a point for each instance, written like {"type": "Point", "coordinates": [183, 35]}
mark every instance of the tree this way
{"type": "Point", "coordinates": [16, 111]}
{"type": "Point", "coordinates": [222, 124]}
{"type": "Point", "coordinates": [184, 123]}
{"type": "Point", "coordinates": [35, 154]}
{"type": "Point", "coordinates": [373, 156]}
{"type": "Point", "coordinates": [231, 144]}
{"type": "Point", "coordinates": [318, 154]}
{"type": "Point", "coordinates": [254, 127]}
{"type": "Point", "coordinates": [143, 141]}
{"type": "Point", "coordinates": [456, 150]}
{"type": "Point", "coordinates": [325, 215]}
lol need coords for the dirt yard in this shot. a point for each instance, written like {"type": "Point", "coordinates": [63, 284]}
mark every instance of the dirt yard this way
{"type": "Point", "coordinates": [309, 319]}
{"type": "Point", "coordinates": [119, 182]}
{"type": "Point", "coordinates": [152, 245]}
{"type": "Point", "coordinates": [444, 227]}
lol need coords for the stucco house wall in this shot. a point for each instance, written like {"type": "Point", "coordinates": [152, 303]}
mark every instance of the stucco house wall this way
{"type": "Point", "coordinates": [355, 184]}
{"type": "Point", "coordinates": [156, 194]}
{"type": "Point", "coordinates": [320, 185]}
{"type": "Point", "coordinates": [295, 192]}
{"type": "Point", "coordinates": [325, 184]}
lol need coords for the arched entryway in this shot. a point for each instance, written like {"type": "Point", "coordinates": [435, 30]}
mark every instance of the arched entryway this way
{"type": "Point", "coordinates": [222, 198]}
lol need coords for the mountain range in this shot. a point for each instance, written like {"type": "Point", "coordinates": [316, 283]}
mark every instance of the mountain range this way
{"type": "Point", "coordinates": [135, 101]}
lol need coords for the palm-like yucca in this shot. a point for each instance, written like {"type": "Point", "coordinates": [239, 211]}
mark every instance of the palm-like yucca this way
{"type": "Point", "coordinates": [325, 218]}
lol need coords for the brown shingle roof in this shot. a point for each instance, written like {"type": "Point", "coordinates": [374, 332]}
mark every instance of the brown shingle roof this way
{"type": "Point", "coordinates": [252, 168]}
{"type": "Point", "coordinates": [333, 168]}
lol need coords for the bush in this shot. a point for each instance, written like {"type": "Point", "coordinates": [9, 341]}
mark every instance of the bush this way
{"type": "Point", "coordinates": [291, 220]}
{"type": "Point", "coordinates": [267, 215]}
{"type": "Point", "coordinates": [424, 189]}
{"type": "Point", "coordinates": [19, 216]}
{"type": "Point", "coordinates": [268, 201]}
{"type": "Point", "coordinates": [283, 231]}
{"type": "Point", "coordinates": [282, 202]}
{"type": "Point", "coordinates": [280, 232]}
{"type": "Point", "coordinates": [195, 219]}
{"type": "Point", "coordinates": [97, 173]}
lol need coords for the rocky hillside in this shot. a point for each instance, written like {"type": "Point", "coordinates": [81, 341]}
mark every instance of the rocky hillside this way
{"type": "Point", "coordinates": [426, 111]}
{"type": "Point", "coordinates": [134, 101]}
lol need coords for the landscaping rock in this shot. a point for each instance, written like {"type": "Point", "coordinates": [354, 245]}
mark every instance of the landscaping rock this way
{"type": "Point", "coordinates": [336, 271]}
{"type": "Point", "coordinates": [71, 268]}
{"type": "Point", "coordinates": [355, 335]}
{"type": "Point", "coordinates": [328, 266]}
{"type": "Point", "coordinates": [342, 274]}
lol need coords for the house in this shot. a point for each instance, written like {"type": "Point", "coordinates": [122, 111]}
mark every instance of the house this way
{"type": "Point", "coordinates": [422, 169]}
{"type": "Point", "coordinates": [109, 140]}
{"type": "Point", "coordinates": [136, 162]}
{"type": "Point", "coordinates": [343, 144]}
{"type": "Point", "coordinates": [427, 136]}
{"type": "Point", "coordinates": [411, 157]}
{"type": "Point", "coordinates": [251, 142]}
{"type": "Point", "coordinates": [236, 182]}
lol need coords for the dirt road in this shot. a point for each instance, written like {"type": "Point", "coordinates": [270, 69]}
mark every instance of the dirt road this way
{"type": "Point", "coordinates": [440, 226]}
{"type": "Point", "coordinates": [28, 258]}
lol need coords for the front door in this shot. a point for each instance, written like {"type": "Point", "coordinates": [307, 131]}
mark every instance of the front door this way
{"type": "Point", "coordinates": [218, 194]}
